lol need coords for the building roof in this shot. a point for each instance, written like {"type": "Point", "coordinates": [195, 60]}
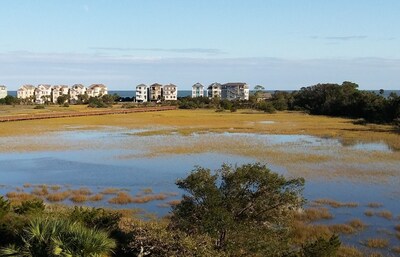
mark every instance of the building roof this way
{"type": "Point", "coordinates": [78, 85]}
{"type": "Point", "coordinates": [141, 85]}
{"type": "Point", "coordinates": [214, 84]}
{"type": "Point", "coordinates": [97, 85]}
{"type": "Point", "coordinates": [198, 85]}
{"type": "Point", "coordinates": [170, 85]}
{"type": "Point", "coordinates": [235, 84]}
{"type": "Point", "coordinates": [156, 85]}
{"type": "Point", "coordinates": [23, 87]}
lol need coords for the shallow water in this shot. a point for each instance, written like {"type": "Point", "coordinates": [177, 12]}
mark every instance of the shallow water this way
{"type": "Point", "coordinates": [113, 157]}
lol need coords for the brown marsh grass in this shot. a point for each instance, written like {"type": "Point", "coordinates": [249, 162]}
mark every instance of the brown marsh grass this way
{"type": "Point", "coordinates": [79, 198]}
{"type": "Point", "coordinates": [110, 191]}
{"type": "Point", "coordinates": [349, 251]}
{"type": "Point", "coordinates": [369, 213]}
{"type": "Point", "coordinates": [96, 197]}
{"type": "Point", "coordinates": [20, 196]}
{"type": "Point", "coordinates": [314, 214]}
{"type": "Point", "coordinates": [27, 185]}
{"type": "Point", "coordinates": [357, 224]}
{"type": "Point", "coordinates": [397, 228]}
{"type": "Point", "coordinates": [374, 205]}
{"type": "Point", "coordinates": [58, 196]}
{"type": "Point", "coordinates": [376, 242]}
{"type": "Point", "coordinates": [121, 198]}
{"type": "Point", "coordinates": [336, 204]}
{"type": "Point", "coordinates": [342, 229]}
{"type": "Point", "coordinates": [174, 202]}
{"type": "Point", "coordinates": [82, 191]}
{"type": "Point", "coordinates": [55, 187]}
{"type": "Point", "coordinates": [147, 190]}
{"type": "Point", "coordinates": [385, 214]}
{"type": "Point", "coordinates": [396, 249]}
{"type": "Point", "coordinates": [40, 191]}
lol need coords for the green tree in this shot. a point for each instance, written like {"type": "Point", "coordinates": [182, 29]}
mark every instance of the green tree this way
{"type": "Point", "coordinates": [245, 208]}
{"type": "Point", "coordinates": [62, 99]}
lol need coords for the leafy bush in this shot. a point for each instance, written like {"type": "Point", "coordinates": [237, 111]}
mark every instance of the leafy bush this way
{"type": "Point", "coordinates": [237, 203]}
{"type": "Point", "coordinates": [96, 217]}
{"type": "Point", "coordinates": [30, 207]}
{"type": "Point", "coordinates": [4, 207]}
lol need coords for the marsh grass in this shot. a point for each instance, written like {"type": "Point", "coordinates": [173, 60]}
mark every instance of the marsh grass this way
{"type": "Point", "coordinates": [342, 229]}
{"type": "Point", "coordinates": [110, 191]}
{"type": "Point", "coordinates": [55, 187]}
{"type": "Point", "coordinates": [27, 185]}
{"type": "Point", "coordinates": [121, 198]}
{"type": "Point", "coordinates": [174, 202]}
{"type": "Point", "coordinates": [376, 242]}
{"type": "Point", "coordinates": [58, 196]}
{"type": "Point", "coordinates": [336, 204]}
{"type": "Point", "coordinates": [125, 198]}
{"type": "Point", "coordinates": [369, 213]}
{"type": "Point", "coordinates": [349, 251]}
{"type": "Point", "coordinates": [385, 214]}
{"type": "Point", "coordinates": [314, 214]}
{"type": "Point", "coordinates": [374, 205]}
{"type": "Point", "coordinates": [82, 191]}
{"type": "Point", "coordinates": [147, 190]}
{"type": "Point", "coordinates": [396, 249]}
{"type": "Point", "coordinates": [17, 197]}
{"type": "Point", "coordinates": [40, 191]}
{"type": "Point", "coordinates": [397, 228]}
{"type": "Point", "coordinates": [79, 198]}
{"type": "Point", "coordinates": [357, 224]}
{"type": "Point", "coordinates": [96, 197]}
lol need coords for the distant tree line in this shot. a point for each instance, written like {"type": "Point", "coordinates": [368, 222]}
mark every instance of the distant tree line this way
{"type": "Point", "coordinates": [344, 100]}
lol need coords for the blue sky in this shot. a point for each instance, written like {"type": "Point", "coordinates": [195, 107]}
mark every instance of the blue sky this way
{"type": "Point", "coordinates": [281, 44]}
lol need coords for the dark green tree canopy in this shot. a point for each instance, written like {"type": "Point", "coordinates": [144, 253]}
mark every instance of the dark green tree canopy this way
{"type": "Point", "coordinates": [235, 201]}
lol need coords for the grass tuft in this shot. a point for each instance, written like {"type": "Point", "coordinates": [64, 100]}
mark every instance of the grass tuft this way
{"type": "Point", "coordinates": [377, 243]}
{"type": "Point", "coordinates": [336, 204]}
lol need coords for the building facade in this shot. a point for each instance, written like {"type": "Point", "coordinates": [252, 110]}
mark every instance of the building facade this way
{"type": "Point", "coordinates": [170, 92]}
{"type": "Point", "coordinates": [155, 92]}
{"type": "Point", "coordinates": [235, 91]}
{"type": "Point", "coordinates": [43, 93]}
{"type": "Point", "coordinates": [214, 90]}
{"type": "Point", "coordinates": [76, 91]}
{"type": "Point", "coordinates": [26, 91]}
{"type": "Point", "coordinates": [142, 95]}
{"type": "Point", "coordinates": [3, 91]}
{"type": "Point", "coordinates": [197, 90]}
{"type": "Point", "coordinates": [59, 90]}
{"type": "Point", "coordinates": [97, 90]}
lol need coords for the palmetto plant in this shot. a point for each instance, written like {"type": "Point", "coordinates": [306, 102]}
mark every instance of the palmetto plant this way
{"type": "Point", "coordinates": [46, 237]}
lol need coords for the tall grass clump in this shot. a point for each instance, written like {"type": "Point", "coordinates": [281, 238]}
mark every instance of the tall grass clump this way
{"type": "Point", "coordinates": [377, 243]}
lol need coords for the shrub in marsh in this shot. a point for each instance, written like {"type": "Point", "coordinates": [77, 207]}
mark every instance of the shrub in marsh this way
{"type": "Point", "coordinates": [38, 107]}
{"type": "Point", "coordinates": [369, 213]}
{"type": "Point", "coordinates": [30, 207]}
{"type": "Point", "coordinates": [96, 217]}
{"type": "Point", "coordinates": [154, 238]}
{"type": "Point", "coordinates": [322, 247]}
{"type": "Point", "coordinates": [5, 207]}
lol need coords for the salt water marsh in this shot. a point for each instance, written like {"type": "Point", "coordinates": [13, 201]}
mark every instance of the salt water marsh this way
{"type": "Point", "coordinates": [347, 166]}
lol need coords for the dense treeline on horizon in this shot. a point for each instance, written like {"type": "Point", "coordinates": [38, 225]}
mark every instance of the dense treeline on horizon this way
{"type": "Point", "coordinates": [344, 100]}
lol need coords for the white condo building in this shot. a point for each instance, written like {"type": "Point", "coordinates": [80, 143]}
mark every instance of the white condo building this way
{"type": "Point", "coordinates": [214, 90]}
{"type": "Point", "coordinates": [3, 91]}
{"type": "Point", "coordinates": [57, 91]}
{"type": "Point", "coordinates": [197, 90]}
{"type": "Point", "coordinates": [43, 93]}
{"type": "Point", "coordinates": [141, 93]}
{"type": "Point", "coordinates": [170, 92]}
{"type": "Point", "coordinates": [235, 91]}
{"type": "Point", "coordinates": [26, 91]}
{"type": "Point", "coordinates": [96, 90]}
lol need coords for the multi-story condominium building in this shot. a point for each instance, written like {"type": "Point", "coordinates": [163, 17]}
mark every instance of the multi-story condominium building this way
{"type": "Point", "coordinates": [43, 93]}
{"type": "Point", "coordinates": [155, 92]}
{"type": "Point", "coordinates": [141, 93]}
{"type": "Point", "coordinates": [3, 91]}
{"type": "Point", "coordinates": [96, 90]}
{"type": "Point", "coordinates": [75, 91]}
{"type": "Point", "coordinates": [58, 91]}
{"type": "Point", "coordinates": [25, 92]}
{"type": "Point", "coordinates": [214, 90]}
{"type": "Point", "coordinates": [197, 90]}
{"type": "Point", "coordinates": [235, 91]}
{"type": "Point", "coordinates": [170, 92]}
